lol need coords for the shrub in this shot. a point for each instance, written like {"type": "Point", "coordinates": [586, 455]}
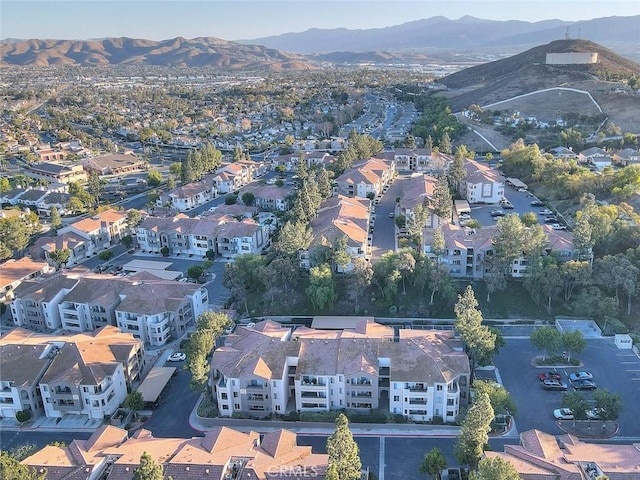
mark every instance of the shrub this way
{"type": "Point", "coordinates": [207, 408]}
{"type": "Point", "coordinates": [437, 420]}
{"type": "Point", "coordinates": [292, 416]}
{"type": "Point", "coordinates": [23, 415]}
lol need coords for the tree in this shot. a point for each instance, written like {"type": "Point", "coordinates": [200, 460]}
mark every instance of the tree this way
{"type": "Point", "coordinates": [74, 204]}
{"type": "Point", "coordinates": [474, 432]}
{"type": "Point", "coordinates": [94, 188]}
{"type": "Point", "coordinates": [134, 217]}
{"type": "Point", "coordinates": [478, 338]}
{"type": "Point", "coordinates": [212, 322]}
{"type": "Point", "coordinates": [360, 277]}
{"type": "Point", "coordinates": [293, 237]}
{"type": "Point", "coordinates": [439, 281]}
{"type": "Point", "coordinates": [529, 219]}
{"type": "Point", "coordinates": [279, 276]}
{"type": "Point", "coordinates": [495, 468]}
{"type": "Point", "coordinates": [127, 240]}
{"type": "Point", "coordinates": [248, 198]}
{"type": "Point", "coordinates": [457, 171]}
{"type": "Point", "coordinates": [14, 233]}
{"type": "Point", "coordinates": [148, 469]}
{"type": "Point", "coordinates": [441, 199]}
{"type": "Point", "coordinates": [546, 339]}
{"type": "Point", "coordinates": [544, 279]}
{"type": "Point", "coordinates": [617, 271]}
{"type": "Point", "coordinates": [321, 289]}
{"type": "Point", "coordinates": [60, 256]}
{"type": "Point", "coordinates": [105, 255]}
{"type": "Point", "coordinates": [445, 143]}
{"type": "Point", "coordinates": [608, 404]}
{"type": "Point", "coordinates": [5, 186]}
{"type": "Point", "coordinates": [501, 402]}
{"type": "Point", "coordinates": [195, 271]}
{"type": "Point", "coordinates": [230, 199]}
{"type": "Point", "coordinates": [573, 342]}
{"type": "Point", "coordinates": [154, 178]}
{"type": "Point", "coordinates": [576, 402]}
{"type": "Point", "coordinates": [175, 169]}
{"type": "Point", "coordinates": [343, 451]}
{"type": "Point", "coordinates": [574, 273]}
{"type": "Point", "coordinates": [200, 345]}
{"type": "Point", "coordinates": [12, 469]}
{"type": "Point", "coordinates": [134, 402]}
{"type": "Point", "coordinates": [433, 463]}
{"type": "Point", "coordinates": [56, 221]}
{"type": "Point", "coordinates": [406, 264]}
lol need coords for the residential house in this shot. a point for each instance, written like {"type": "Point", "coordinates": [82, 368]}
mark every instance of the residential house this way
{"type": "Point", "coordinates": [56, 173]}
{"type": "Point", "coordinates": [367, 177]}
{"type": "Point", "coordinates": [230, 177]}
{"type": "Point", "coordinates": [180, 234]}
{"type": "Point", "coordinates": [483, 184]}
{"type": "Point", "coordinates": [12, 196]}
{"type": "Point", "coordinates": [187, 196]}
{"type": "Point", "coordinates": [40, 370]}
{"type": "Point", "coordinates": [317, 158]}
{"type": "Point", "coordinates": [563, 153]}
{"type": "Point", "coordinates": [114, 164]}
{"type": "Point", "coordinates": [340, 218]}
{"type": "Point", "coordinates": [421, 374]}
{"type": "Point", "coordinates": [542, 456]}
{"type": "Point", "coordinates": [222, 453]}
{"type": "Point", "coordinates": [419, 160]}
{"type": "Point", "coordinates": [595, 156]}
{"type": "Point", "coordinates": [256, 168]}
{"type": "Point", "coordinates": [14, 272]}
{"type": "Point", "coordinates": [58, 200]}
{"type": "Point", "coordinates": [269, 197]}
{"type": "Point", "coordinates": [31, 197]}
{"type": "Point", "coordinates": [50, 154]}
{"type": "Point", "coordinates": [626, 157]}
{"type": "Point", "coordinates": [102, 230]}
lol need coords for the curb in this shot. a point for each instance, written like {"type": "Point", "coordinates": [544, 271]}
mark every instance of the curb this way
{"type": "Point", "coordinates": [596, 436]}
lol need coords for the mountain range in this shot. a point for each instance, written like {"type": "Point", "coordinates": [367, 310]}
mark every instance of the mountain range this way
{"type": "Point", "coordinates": [179, 52]}
{"type": "Point", "coordinates": [461, 34]}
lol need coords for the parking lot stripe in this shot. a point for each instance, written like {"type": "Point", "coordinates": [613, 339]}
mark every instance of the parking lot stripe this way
{"type": "Point", "coordinates": [381, 459]}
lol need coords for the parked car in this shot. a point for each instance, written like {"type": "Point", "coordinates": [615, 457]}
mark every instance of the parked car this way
{"type": "Point", "coordinates": [391, 215]}
{"type": "Point", "coordinates": [550, 376]}
{"type": "Point", "coordinates": [594, 413]}
{"type": "Point", "coordinates": [558, 226]}
{"type": "Point", "coordinates": [579, 376]}
{"type": "Point", "coordinates": [507, 205]}
{"type": "Point", "coordinates": [546, 211]}
{"type": "Point", "coordinates": [497, 213]}
{"type": "Point", "coordinates": [563, 414]}
{"type": "Point", "coordinates": [177, 357]}
{"type": "Point", "coordinates": [554, 385]}
{"type": "Point", "coordinates": [585, 385]}
{"type": "Point", "coordinates": [551, 220]}
{"type": "Point", "coordinates": [537, 203]}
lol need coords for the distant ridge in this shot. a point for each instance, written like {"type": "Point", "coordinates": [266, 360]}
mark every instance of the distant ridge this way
{"type": "Point", "coordinates": [179, 52]}
{"type": "Point", "coordinates": [528, 71]}
{"type": "Point", "coordinates": [464, 33]}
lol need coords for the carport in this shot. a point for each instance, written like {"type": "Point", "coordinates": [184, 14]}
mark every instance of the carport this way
{"type": "Point", "coordinates": [154, 384]}
{"type": "Point", "coordinates": [159, 269]}
{"type": "Point", "coordinates": [516, 183]}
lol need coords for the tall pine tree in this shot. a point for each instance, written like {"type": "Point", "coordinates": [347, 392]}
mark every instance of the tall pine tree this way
{"type": "Point", "coordinates": [343, 451]}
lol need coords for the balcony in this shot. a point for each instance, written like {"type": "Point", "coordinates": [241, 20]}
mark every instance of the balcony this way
{"type": "Point", "coordinates": [313, 382]}
{"type": "Point", "coordinates": [255, 397]}
{"type": "Point", "coordinates": [313, 395]}
{"type": "Point", "coordinates": [418, 387]}
{"type": "Point", "coordinates": [255, 386]}
{"type": "Point", "coordinates": [417, 401]}
{"type": "Point", "coordinates": [361, 395]}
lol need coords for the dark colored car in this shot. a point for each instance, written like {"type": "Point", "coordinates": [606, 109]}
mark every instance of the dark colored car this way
{"type": "Point", "coordinates": [585, 385]}
{"type": "Point", "coordinates": [554, 385]}
{"type": "Point", "coordinates": [550, 376]}
{"type": "Point", "coordinates": [497, 213]}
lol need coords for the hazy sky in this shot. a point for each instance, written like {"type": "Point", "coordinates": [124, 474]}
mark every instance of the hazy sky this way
{"type": "Point", "coordinates": [247, 19]}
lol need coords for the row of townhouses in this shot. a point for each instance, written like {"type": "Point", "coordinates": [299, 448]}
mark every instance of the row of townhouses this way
{"type": "Point", "coordinates": [151, 309]}
{"type": "Point", "coordinates": [269, 368]}
{"type": "Point", "coordinates": [422, 160]}
{"type": "Point", "coordinates": [40, 199]}
{"type": "Point", "coordinates": [54, 375]}
{"type": "Point", "coordinates": [222, 453]}
{"type": "Point", "coordinates": [223, 234]}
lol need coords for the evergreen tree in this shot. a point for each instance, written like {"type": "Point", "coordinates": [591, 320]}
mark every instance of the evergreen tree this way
{"type": "Point", "coordinates": [189, 173]}
{"type": "Point", "coordinates": [56, 221]}
{"type": "Point", "coordinates": [343, 451]}
{"type": "Point", "coordinates": [441, 200]}
{"type": "Point", "coordinates": [457, 171]}
{"type": "Point", "coordinates": [433, 463]}
{"type": "Point", "coordinates": [321, 290]}
{"type": "Point", "coordinates": [60, 256]}
{"type": "Point", "coordinates": [94, 187]}
{"type": "Point", "coordinates": [445, 143]}
{"type": "Point", "coordinates": [293, 237]}
{"type": "Point", "coordinates": [478, 338]}
{"type": "Point", "coordinates": [12, 469]}
{"type": "Point", "coordinates": [474, 432]}
{"type": "Point", "coordinates": [148, 469]}
{"type": "Point", "coordinates": [494, 469]}
{"type": "Point", "coordinates": [323, 183]}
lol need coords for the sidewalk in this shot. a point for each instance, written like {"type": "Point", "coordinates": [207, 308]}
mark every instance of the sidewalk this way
{"type": "Point", "coordinates": [324, 429]}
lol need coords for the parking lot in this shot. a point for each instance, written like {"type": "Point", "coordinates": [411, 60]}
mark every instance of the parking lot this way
{"type": "Point", "coordinates": [615, 370]}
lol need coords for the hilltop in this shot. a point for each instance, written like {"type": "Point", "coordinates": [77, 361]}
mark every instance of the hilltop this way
{"type": "Point", "coordinates": [178, 52]}
{"type": "Point", "coordinates": [528, 72]}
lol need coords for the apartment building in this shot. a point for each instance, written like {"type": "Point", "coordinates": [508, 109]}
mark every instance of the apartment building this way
{"type": "Point", "coordinates": [422, 160]}
{"type": "Point", "coordinates": [77, 245]}
{"type": "Point", "coordinates": [483, 184]}
{"type": "Point", "coordinates": [267, 369]}
{"type": "Point", "coordinates": [14, 272]}
{"type": "Point", "coordinates": [542, 456]}
{"type": "Point", "coordinates": [151, 309]}
{"type": "Point", "coordinates": [419, 191]}
{"type": "Point", "coordinates": [221, 453]}
{"type": "Point", "coordinates": [187, 196]}
{"type": "Point", "coordinates": [241, 237]}
{"type": "Point", "coordinates": [56, 173]}
{"type": "Point", "coordinates": [340, 218]}
{"type": "Point", "coordinates": [467, 248]}
{"type": "Point", "coordinates": [270, 197]}
{"type": "Point", "coordinates": [232, 176]}
{"type": "Point", "coordinates": [366, 177]}
{"type": "Point", "coordinates": [114, 164]}
{"type": "Point", "coordinates": [101, 231]}
{"type": "Point", "coordinates": [84, 374]}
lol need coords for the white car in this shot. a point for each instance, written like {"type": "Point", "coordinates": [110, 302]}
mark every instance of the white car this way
{"type": "Point", "coordinates": [177, 357]}
{"type": "Point", "coordinates": [563, 414]}
{"type": "Point", "coordinates": [546, 211]}
{"type": "Point", "coordinates": [212, 209]}
{"type": "Point", "coordinates": [557, 226]}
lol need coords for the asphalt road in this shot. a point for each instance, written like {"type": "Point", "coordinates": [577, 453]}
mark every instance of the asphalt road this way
{"type": "Point", "coordinates": [384, 233]}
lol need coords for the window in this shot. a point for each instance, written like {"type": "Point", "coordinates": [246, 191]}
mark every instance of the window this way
{"type": "Point", "coordinates": [277, 408]}
{"type": "Point", "coordinates": [225, 406]}
{"type": "Point", "coordinates": [396, 398]}
{"type": "Point", "coordinates": [439, 388]}
{"type": "Point", "coordinates": [236, 406]}
{"type": "Point", "coordinates": [235, 394]}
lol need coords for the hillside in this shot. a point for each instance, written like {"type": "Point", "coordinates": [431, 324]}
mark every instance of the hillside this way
{"type": "Point", "coordinates": [527, 72]}
{"type": "Point", "coordinates": [179, 52]}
